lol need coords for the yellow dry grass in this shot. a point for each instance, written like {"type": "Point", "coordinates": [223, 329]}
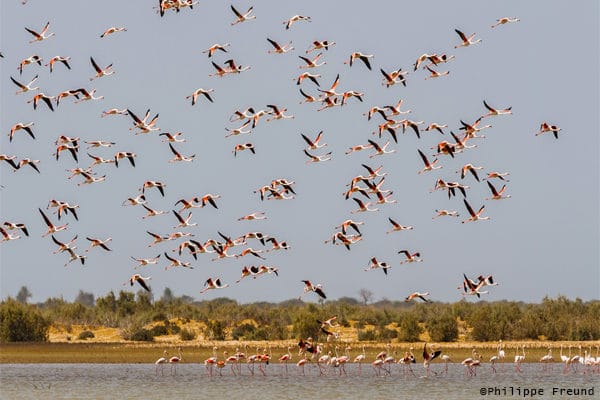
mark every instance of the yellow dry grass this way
{"type": "Point", "coordinates": [108, 346]}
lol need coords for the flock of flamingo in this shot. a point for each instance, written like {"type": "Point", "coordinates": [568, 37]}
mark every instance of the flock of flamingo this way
{"type": "Point", "coordinates": [367, 191]}
{"type": "Point", "coordinates": [332, 363]}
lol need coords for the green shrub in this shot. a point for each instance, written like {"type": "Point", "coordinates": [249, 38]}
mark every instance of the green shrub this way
{"type": "Point", "coordinates": [410, 328]}
{"type": "Point", "coordinates": [187, 334]}
{"type": "Point", "coordinates": [22, 323]}
{"type": "Point", "coordinates": [367, 335]}
{"type": "Point", "coordinates": [159, 330]}
{"type": "Point", "coordinates": [86, 335]}
{"type": "Point", "coordinates": [385, 334]}
{"type": "Point", "coordinates": [443, 328]}
{"type": "Point", "coordinates": [141, 335]}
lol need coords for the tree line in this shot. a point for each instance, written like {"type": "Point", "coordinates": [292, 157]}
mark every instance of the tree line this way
{"type": "Point", "coordinates": [140, 317]}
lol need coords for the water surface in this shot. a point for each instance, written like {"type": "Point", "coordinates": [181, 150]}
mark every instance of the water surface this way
{"type": "Point", "coordinates": [140, 381]}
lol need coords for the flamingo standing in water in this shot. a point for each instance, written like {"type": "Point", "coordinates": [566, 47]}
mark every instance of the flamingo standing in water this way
{"type": "Point", "coordinates": [285, 358]}
{"type": "Point", "coordinates": [428, 357]}
{"type": "Point", "coordinates": [160, 363]}
{"type": "Point", "coordinates": [359, 359]}
{"type": "Point", "coordinates": [519, 358]}
{"type": "Point", "coordinates": [210, 362]}
{"type": "Point", "coordinates": [446, 359]}
{"type": "Point", "coordinates": [471, 362]}
{"type": "Point", "coordinates": [547, 359]}
{"type": "Point", "coordinates": [301, 363]}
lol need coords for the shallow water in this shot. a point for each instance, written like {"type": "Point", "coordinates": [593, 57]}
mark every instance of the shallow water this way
{"type": "Point", "coordinates": [137, 381]}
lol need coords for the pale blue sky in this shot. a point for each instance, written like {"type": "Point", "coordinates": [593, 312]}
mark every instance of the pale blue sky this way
{"type": "Point", "coordinates": [542, 241]}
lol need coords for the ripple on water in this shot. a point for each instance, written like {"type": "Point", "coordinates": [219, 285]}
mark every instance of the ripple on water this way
{"type": "Point", "coordinates": [139, 381]}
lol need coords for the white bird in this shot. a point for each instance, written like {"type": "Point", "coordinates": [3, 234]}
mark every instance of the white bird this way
{"type": "Point", "coordinates": [374, 264]}
{"type": "Point", "coordinates": [410, 257]}
{"type": "Point", "coordinates": [312, 63]}
{"type": "Point", "coordinates": [142, 262]}
{"type": "Point", "coordinates": [27, 87]}
{"type": "Point", "coordinates": [139, 279]}
{"type": "Point", "coordinates": [466, 40]}
{"type": "Point", "coordinates": [176, 263]}
{"type": "Point", "coordinates": [213, 284]}
{"type": "Point", "coordinates": [112, 30]}
{"type": "Point", "coordinates": [212, 49]}
{"type": "Point", "coordinates": [505, 20]}
{"type": "Point", "coordinates": [8, 236]}
{"type": "Point", "coordinates": [429, 166]}
{"type": "Point", "coordinates": [397, 227]}
{"type": "Point", "coordinates": [98, 242]}
{"type": "Point", "coordinates": [38, 37]}
{"type": "Point", "coordinates": [419, 295]}
{"type": "Point", "coordinates": [288, 23]}
{"type": "Point", "coordinates": [74, 257]}
{"type": "Point", "coordinates": [178, 156]}
{"type": "Point", "coordinates": [100, 72]}
{"type": "Point", "coordinates": [362, 57]}
{"type": "Point", "coordinates": [279, 49]}
{"type": "Point", "coordinates": [475, 216]}
{"type": "Point", "coordinates": [242, 17]}
{"type": "Point", "coordinates": [198, 92]}
{"type": "Point", "coordinates": [315, 158]}
{"type": "Point", "coordinates": [494, 111]}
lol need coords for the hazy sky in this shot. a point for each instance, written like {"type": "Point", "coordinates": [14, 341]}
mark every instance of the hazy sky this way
{"type": "Point", "coordinates": [542, 241]}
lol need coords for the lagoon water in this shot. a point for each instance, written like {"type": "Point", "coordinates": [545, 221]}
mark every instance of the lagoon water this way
{"type": "Point", "coordinates": [139, 381]}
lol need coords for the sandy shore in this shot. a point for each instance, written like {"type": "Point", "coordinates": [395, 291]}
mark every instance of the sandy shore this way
{"type": "Point", "coordinates": [196, 351]}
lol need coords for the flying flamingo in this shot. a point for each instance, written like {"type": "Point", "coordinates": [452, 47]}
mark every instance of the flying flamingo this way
{"type": "Point", "coordinates": [288, 23]}
{"type": "Point", "coordinates": [242, 17]}
{"type": "Point", "coordinates": [146, 261]}
{"type": "Point", "coordinates": [198, 92]}
{"type": "Point", "coordinates": [279, 49]}
{"type": "Point", "coordinates": [112, 30]}
{"type": "Point", "coordinates": [505, 20]}
{"type": "Point", "coordinates": [410, 257]}
{"type": "Point", "coordinates": [139, 279]}
{"type": "Point", "coordinates": [38, 37]}
{"type": "Point", "coordinates": [475, 216]}
{"type": "Point", "coordinates": [544, 127]}
{"type": "Point", "coordinates": [494, 111]}
{"type": "Point", "coordinates": [100, 72]}
{"type": "Point", "coordinates": [98, 242]}
{"type": "Point", "coordinates": [305, 75]}
{"type": "Point", "coordinates": [320, 44]}
{"type": "Point", "coordinates": [309, 287]}
{"type": "Point", "coordinates": [429, 166]}
{"type": "Point", "coordinates": [51, 227]}
{"type": "Point", "coordinates": [212, 49]}
{"type": "Point", "coordinates": [213, 284]}
{"type": "Point", "coordinates": [466, 40]}
{"type": "Point", "coordinates": [25, 88]}
{"type": "Point", "coordinates": [64, 60]}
